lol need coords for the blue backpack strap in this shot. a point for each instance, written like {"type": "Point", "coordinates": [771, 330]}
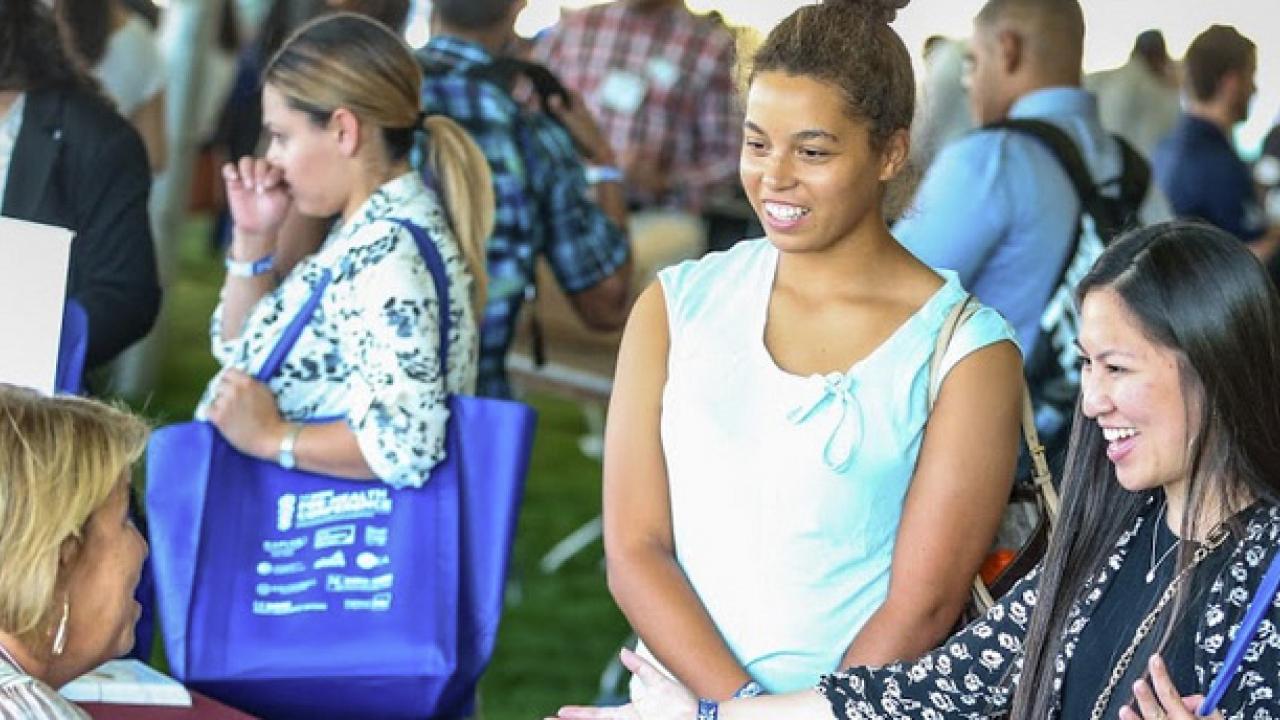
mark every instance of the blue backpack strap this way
{"type": "Point", "coordinates": [293, 331]}
{"type": "Point", "coordinates": [435, 263]}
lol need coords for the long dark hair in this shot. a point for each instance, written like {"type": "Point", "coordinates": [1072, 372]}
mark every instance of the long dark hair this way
{"type": "Point", "coordinates": [31, 50]}
{"type": "Point", "coordinates": [1198, 291]}
{"type": "Point", "coordinates": [88, 26]}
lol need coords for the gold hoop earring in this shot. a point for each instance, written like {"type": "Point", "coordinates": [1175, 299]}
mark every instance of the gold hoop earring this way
{"type": "Point", "coordinates": [60, 637]}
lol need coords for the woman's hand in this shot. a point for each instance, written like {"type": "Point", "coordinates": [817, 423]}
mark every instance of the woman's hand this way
{"type": "Point", "coordinates": [664, 698]}
{"type": "Point", "coordinates": [245, 412]}
{"type": "Point", "coordinates": [259, 199]}
{"type": "Point", "coordinates": [1160, 700]}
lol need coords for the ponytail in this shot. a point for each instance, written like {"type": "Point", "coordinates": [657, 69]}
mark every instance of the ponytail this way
{"type": "Point", "coordinates": [466, 188]}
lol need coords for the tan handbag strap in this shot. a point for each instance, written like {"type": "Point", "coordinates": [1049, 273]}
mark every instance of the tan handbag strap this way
{"type": "Point", "coordinates": [1046, 494]}
{"type": "Point", "coordinates": [1041, 476]}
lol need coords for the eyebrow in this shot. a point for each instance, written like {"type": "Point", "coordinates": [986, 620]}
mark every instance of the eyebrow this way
{"type": "Point", "coordinates": [810, 134]}
{"type": "Point", "coordinates": [1102, 355]}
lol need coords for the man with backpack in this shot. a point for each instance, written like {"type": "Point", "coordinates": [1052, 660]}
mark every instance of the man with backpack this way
{"type": "Point", "coordinates": [556, 181]}
{"type": "Point", "coordinates": [1021, 207]}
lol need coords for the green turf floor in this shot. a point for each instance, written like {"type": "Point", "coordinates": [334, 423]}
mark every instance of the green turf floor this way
{"type": "Point", "coordinates": [559, 630]}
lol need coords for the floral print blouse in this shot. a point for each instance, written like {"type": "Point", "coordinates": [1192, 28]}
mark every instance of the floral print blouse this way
{"type": "Point", "coordinates": [973, 675]}
{"type": "Point", "coordinates": [370, 354]}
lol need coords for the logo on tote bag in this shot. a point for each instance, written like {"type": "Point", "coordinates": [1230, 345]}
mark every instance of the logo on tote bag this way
{"type": "Point", "coordinates": [284, 511]}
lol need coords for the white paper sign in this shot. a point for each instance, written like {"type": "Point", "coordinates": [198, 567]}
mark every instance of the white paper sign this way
{"type": "Point", "coordinates": [33, 283]}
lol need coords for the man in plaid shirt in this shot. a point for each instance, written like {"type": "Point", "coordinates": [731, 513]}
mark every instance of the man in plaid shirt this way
{"type": "Point", "coordinates": [545, 205]}
{"type": "Point", "coordinates": [660, 81]}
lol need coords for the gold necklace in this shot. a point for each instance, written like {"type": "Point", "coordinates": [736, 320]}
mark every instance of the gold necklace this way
{"type": "Point", "coordinates": [1122, 665]}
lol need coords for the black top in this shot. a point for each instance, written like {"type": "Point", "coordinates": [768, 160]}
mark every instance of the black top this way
{"type": "Point", "coordinates": [1126, 603]}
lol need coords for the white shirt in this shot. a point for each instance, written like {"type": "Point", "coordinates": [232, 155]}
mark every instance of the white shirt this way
{"type": "Point", "coordinates": [132, 70]}
{"type": "Point", "coordinates": [371, 352]}
{"type": "Point", "coordinates": [10, 126]}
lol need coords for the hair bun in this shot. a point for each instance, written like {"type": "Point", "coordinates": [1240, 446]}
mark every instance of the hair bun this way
{"type": "Point", "coordinates": [879, 10]}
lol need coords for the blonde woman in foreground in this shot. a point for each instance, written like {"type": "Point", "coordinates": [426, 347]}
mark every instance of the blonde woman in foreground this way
{"type": "Point", "coordinates": [71, 556]}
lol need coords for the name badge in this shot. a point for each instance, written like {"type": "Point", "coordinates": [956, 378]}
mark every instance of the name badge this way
{"type": "Point", "coordinates": [662, 73]}
{"type": "Point", "coordinates": [622, 91]}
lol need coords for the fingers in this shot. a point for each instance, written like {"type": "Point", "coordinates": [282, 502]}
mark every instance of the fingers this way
{"type": "Point", "coordinates": [576, 712]}
{"type": "Point", "coordinates": [236, 378]}
{"type": "Point", "coordinates": [1165, 691]}
{"type": "Point", "coordinates": [230, 386]}
{"type": "Point", "coordinates": [648, 674]}
{"type": "Point", "coordinates": [252, 174]}
{"type": "Point", "coordinates": [1192, 704]}
{"type": "Point", "coordinates": [1148, 705]}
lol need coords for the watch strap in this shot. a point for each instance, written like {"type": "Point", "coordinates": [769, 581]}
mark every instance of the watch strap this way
{"type": "Point", "coordinates": [285, 456]}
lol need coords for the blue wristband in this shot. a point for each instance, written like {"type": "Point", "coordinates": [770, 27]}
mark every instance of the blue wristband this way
{"type": "Point", "coordinates": [708, 709]}
{"type": "Point", "coordinates": [244, 268]}
{"type": "Point", "coordinates": [597, 174]}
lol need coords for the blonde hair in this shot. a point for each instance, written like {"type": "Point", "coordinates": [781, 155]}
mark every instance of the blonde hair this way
{"type": "Point", "coordinates": [348, 61]}
{"type": "Point", "coordinates": [60, 460]}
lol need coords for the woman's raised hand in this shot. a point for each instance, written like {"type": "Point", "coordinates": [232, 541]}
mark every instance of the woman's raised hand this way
{"type": "Point", "coordinates": [257, 196]}
{"type": "Point", "coordinates": [664, 698]}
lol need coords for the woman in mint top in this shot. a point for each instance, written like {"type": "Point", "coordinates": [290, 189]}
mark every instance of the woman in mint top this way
{"type": "Point", "coordinates": [778, 500]}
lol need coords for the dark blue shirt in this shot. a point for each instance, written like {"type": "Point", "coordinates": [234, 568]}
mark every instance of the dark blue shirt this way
{"type": "Point", "coordinates": [1199, 171]}
{"type": "Point", "coordinates": [543, 205]}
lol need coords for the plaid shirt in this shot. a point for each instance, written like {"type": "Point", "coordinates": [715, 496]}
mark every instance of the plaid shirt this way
{"type": "Point", "coordinates": [690, 115]}
{"type": "Point", "coordinates": [543, 206]}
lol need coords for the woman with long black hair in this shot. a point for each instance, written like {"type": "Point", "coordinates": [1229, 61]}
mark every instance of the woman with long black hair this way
{"type": "Point", "coordinates": [1171, 517]}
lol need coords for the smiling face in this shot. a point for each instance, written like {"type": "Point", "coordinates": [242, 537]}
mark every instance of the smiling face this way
{"type": "Point", "coordinates": [1132, 387]}
{"type": "Point", "coordinates": [310, 155]}
{"type": "Point", "coordinates": [808, 168]}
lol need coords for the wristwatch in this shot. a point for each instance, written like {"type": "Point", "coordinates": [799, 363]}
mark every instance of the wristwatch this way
{"type": "Point", "coordinates": [250, 268]}
{"type": "Point", "coordinates": [285, 456]}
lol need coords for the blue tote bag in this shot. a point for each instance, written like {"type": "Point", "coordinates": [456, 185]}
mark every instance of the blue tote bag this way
{"type": "Point", "coordinates": [294, 595]}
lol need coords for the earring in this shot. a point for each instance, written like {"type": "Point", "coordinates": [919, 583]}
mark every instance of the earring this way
{"type": "Point", "coordinates": [60, 637]}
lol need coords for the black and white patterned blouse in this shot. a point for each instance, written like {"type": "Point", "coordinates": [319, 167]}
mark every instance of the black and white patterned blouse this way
{"type": "Point", "coordinates": [966, 677]}
{"type": "Point", "coordinates": [370, 354]}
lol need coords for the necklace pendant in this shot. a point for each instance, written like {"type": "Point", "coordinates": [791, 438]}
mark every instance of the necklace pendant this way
{"type": "Point", "coordinates": [1151, 575]}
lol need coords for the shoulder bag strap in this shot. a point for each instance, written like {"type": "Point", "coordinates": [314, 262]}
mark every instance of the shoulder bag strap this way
{"type": "Point", "coordinates": [1135, 175]}
{"type": "Point", "coordinates": [1064, 150]}
{"type": "Point", "coordinates": [1060, 145]}
{"type": "Point", "coordinates": [293, 331]}
{"type": "Point", "coordinates": [1046, 495]}
{"type": "Point", "coordinates": [962, 311]}
{"type": "Point", "coordinates": [440, 278]}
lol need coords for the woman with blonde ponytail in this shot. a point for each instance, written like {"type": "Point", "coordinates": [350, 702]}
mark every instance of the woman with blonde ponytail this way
{"type": "Point", "coordinates": [360, 394]}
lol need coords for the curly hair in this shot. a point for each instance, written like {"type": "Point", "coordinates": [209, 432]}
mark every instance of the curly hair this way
{"type": "Point", "coordinates": [31, 50]}
{"type": "Point", "coordinates": [849, 44]}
